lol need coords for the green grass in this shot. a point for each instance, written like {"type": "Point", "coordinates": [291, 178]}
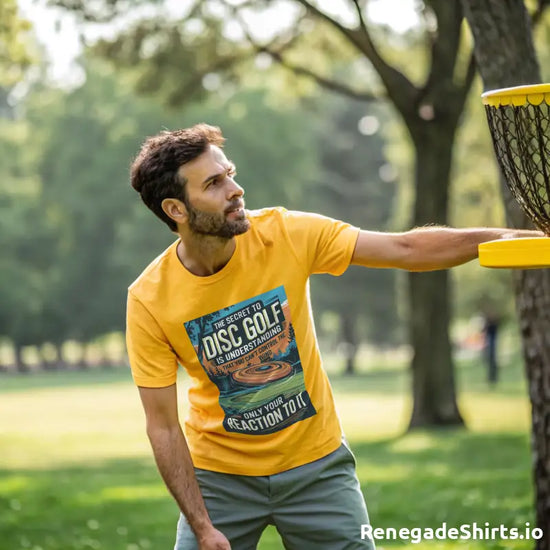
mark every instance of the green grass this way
{"type": "Point", "coordinates": [76, 470]}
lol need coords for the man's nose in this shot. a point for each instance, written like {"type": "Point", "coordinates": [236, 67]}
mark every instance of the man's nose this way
{"type": "Point", "coordinates": [235, 190]}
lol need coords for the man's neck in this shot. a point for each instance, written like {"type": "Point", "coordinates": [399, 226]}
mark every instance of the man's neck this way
{"type": "Point", "coordinates": [204, 255]}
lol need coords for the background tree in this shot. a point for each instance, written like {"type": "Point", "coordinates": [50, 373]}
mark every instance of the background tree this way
{"type": "Point", "coordinates": [83, 143]}
{"type": "Point", "coordinates": [20, 283]}
{"type": "Point", "coordinates": [506, 57]}
{"type": "Point", "coordinates": [357, 184]}
{"type": "Point", "coordinates": [24, 241]}
{"type": "Point", "coordinates": [15, 55]}
{"type": "Point", "coordinates": [74, 233]}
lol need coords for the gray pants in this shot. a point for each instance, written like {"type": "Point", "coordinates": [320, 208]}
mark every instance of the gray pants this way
{"type": "Point", "coordinates": [316, 506]}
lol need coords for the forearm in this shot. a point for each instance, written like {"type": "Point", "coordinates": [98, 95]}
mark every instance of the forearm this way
{"type": "Point", "coordinates": [176, 468]}
{"type": "Point", "coordinates": [431, 248]}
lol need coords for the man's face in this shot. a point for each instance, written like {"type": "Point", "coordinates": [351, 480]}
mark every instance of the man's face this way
{"type": "Point", "coordinates": [213, 199]}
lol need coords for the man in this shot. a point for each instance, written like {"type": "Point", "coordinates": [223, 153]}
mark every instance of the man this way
{"type": "Point", "coordinates": [229, 301]}
{"type": "Point", "coordinates": [491, 325]}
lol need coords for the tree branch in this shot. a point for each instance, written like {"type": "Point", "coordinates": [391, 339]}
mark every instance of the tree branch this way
{"type": "Point", "coordinates": [94, 12]}
{"type": "Point", "coordinates": [400, 89]}
{"type": "Point", "coordinates": [444, 46]}
{"type": "Point", "coordinates": [180, 95]}
{"type": "Point", "coordinates": [276, 55]}
{"type": "Point", "coordinates": [359, 11]}
{"type": "Point", "coordinates": [323, 81]}
{"type": "Point", "coordinates": [235, 10]}
{"type": "Point", "coordinates": [539, 12]}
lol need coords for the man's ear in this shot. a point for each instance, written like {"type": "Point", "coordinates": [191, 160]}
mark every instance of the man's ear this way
{"type": "Point", "coordinates": [175, 210]}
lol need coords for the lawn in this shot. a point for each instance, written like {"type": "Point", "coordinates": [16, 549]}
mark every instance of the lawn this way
{"type": "Point", "coordinates": [76, 470]}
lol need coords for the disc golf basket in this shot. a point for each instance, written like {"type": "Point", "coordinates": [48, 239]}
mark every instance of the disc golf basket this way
{"type": "Point", "coordinates": [519, 121]}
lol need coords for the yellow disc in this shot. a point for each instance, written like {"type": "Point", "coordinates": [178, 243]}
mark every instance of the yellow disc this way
{"type": "Point", "coordinates": [534, 94]}
{"type": "Point", "coordinates": [516, 253]}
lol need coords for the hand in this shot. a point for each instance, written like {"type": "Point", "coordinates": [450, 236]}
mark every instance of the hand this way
{"type": "Point", "coordinates": [522, 234]}
{"type": "Point", "coordinates": [213, 540]}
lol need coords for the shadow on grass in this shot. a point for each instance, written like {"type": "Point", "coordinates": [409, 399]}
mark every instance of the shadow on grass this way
{"type": "Point", "coordinates": [420, 480]}
{"type": "Point", "coordinates": [426, 478]}
{"type": "Point", "coordinates": [118, 504]}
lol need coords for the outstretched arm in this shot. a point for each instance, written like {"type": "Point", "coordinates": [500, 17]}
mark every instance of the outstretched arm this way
{"type": "Point", "coordinates": [175, 465]}
{"type": "Point", "coordinates": [427, 248]}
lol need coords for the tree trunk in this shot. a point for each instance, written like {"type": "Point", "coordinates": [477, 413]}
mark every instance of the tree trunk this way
{"type": "Point", "coordinates": [47, 364]}
{"type": "Point", "coordinates": [106, 362]}
{"type": "Point", "coordinates": [349, 338]}
{"type": "Point", "coordinates": [50, 363]}
{"type": "Point", "coordinates": [442, 95]}
{"type": "Point", "coordinates": [506, 57]}
{"type": "Point", "coordinates": [431, 116]}
{"type": "Point", "coordinates": [61, 363]}
{"type": "Point", "coordinates": [20, 365]}
{"type": "Point", "coordinates": [434, 397]}
{"type": "Point", "coordinates": [82, 363]}
{"type": "Point", "coordinates": [533, 303]}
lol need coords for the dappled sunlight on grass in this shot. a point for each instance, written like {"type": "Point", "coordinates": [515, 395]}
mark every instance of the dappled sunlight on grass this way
{"type": "Point", "coordinates": [454, 476]}
{"type": "Point", "coordinates": [495, 412]}
{"type": "Point", "coordinates": [415, 442]}
{"type": "Point", "coordinates": [70, 425]}
{"type": "Point", "coordinates": [76, 470]}
{"type": "Point", "coordinates": [371, 416]}
{"type": "Point", "coordinates": [13, 484]}
{"type": "Point", "coordinates": [70, 505]}
{"type": "Point", "coordinates": [369, 470]}
{"type": "Point", "coordinates": [132, 492]}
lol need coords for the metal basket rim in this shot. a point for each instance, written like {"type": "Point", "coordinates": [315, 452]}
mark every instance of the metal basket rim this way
{"type": "Point", "coordinates": [533, 94]}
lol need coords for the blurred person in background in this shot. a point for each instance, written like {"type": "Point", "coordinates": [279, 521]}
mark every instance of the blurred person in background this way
{"type": "Point", "coordinates": [491, 325]}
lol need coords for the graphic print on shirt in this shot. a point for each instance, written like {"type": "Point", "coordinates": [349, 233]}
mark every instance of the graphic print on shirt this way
{"type": "Point", "coordinates": [249, 351]}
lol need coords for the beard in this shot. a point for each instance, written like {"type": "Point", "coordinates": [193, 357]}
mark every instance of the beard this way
{"type": "Point", "coordinates": [216, 225]}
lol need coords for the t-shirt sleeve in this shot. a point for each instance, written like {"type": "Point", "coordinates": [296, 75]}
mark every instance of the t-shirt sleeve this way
{"type": "Point", "coordinates": [325, 245]}
{"type": "Point", "coordinates": [152, 360]}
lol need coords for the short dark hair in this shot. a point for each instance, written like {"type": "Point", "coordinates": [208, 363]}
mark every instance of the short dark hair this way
{"type": "Point", "coordinates": [154, 171]}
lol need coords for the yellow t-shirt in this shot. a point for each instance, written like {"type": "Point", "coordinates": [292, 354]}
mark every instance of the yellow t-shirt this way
{"type": "Point", "coordinates": [260, 402]}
